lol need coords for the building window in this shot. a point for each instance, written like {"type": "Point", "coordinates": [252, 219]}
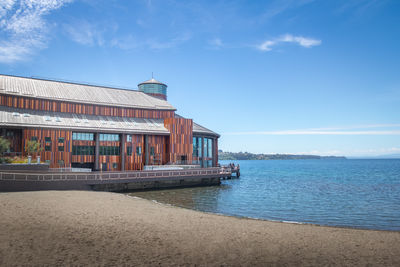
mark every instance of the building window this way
{"type": "Point", "coordinates": [83, 136]}
{"type": "Point", "coordinates": [139, 150]}
{"type": "Point", "coordinates": [34, 138]}
{"type": "Point", "coordinates": [47, 145]}
{"type": "Point", "coordinates": [109, 137]}
{"type": "Point", "coordinates": [152, 151]}
{"type": "Point", "coordinates": [115, 165]}
{"type": "Point", "coordinates": [61, 144]}
{"type": "Point", "coordinates": [195, 148]}
{"type": "Point", "coordinates": [199, 144]}
{"type": "Point", "coordinates": [209, 141]}
{"type": "Point", "coordinates": [129, 151]}
{"type": "Point", "coordinates": [209, 163]}
{"type": "Point", "coordinates": [205, 148]}
{"type": "Point", "coordinates": [82, 150]}
{"type": "Point", "coordinates": [129, 138]}
{"type": "Point", "coordinates": [109, 150]}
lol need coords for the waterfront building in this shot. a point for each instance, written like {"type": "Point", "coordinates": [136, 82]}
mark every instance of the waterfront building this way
{"type": "Point", "coordinates": [99, 127]}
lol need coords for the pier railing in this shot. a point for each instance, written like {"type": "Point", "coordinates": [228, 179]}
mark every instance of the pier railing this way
{"type": "Point", "coordinates": [102, 176]}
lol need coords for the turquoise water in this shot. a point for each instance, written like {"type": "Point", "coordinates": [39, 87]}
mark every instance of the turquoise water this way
{"type": "Point", "coordinates": [352, 193]}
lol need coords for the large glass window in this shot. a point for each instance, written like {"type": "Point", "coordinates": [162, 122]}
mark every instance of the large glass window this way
{"type": "Point", "coordinates": [209, 144]}
{"type": "Point", "coordinates": [195, 147]}
{"type": "Point", "coordinates": [129, 151]}
{"type": "Point", "coordinates": [205, 148]}
{"type": "Point", "coordinates": [82, 150]}
{"type": "Point", "coordinates": [109, 137]}
{"type": "Point", "coordinates": [139, 150]}
{"type": "Point", "coordinates": [83, 136]}
{"type": "Point", "coordinates": [109, 150]}
{"type": "Point", "coordinates": [199, 147]}
{"type": "Point", "coordinates": [129, 138]}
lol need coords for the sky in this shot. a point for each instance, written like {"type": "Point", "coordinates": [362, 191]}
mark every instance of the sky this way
{"type": "Point", "coordinates": [289, 76]}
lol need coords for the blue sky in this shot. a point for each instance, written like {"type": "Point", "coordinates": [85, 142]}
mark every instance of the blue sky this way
{"type": "Point", "coordinates": [315, 77]}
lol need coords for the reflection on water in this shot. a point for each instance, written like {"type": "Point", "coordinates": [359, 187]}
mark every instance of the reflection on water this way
{"type": "Point", "coordinates": [197, 198]}
{"type": "Point", "coordinates": [354, 193]}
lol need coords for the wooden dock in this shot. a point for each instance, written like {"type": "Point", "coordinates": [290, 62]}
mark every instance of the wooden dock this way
{"type": "Point", "coordinates": [230, 169]}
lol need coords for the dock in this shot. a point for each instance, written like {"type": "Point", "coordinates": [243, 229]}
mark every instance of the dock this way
{"type": "Point", "coordinates": [231, 169]}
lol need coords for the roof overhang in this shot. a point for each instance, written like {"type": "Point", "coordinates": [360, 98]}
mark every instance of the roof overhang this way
{"type": "Point", "coordinates": [21, 118]}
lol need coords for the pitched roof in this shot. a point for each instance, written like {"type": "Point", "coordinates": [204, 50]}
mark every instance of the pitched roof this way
{"type": "Point", "coordinates": [198, 129]}
{"type": "Point", "coordinates": [13, 117]}
{"type": "Point", "coordinates": [80, 93]}
{"type": "Point", "coordinates": [152, 80]}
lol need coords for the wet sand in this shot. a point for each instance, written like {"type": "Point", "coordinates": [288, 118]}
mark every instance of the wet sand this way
{"type": "Point", "coordinates": [96, 228]}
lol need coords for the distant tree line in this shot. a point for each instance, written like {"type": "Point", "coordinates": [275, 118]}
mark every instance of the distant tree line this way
{"type": "Point", "coordinates": [250, 156]}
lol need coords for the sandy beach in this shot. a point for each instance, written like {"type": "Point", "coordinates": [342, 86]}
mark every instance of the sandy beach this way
{"type": "Point", "coordinates": [96, 228]}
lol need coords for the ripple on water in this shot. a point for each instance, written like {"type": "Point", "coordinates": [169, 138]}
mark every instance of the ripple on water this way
{"type": "Point", "coordinates": [352, 193]}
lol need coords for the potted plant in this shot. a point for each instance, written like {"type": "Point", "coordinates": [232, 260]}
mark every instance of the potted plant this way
{"type": "Point", "coordinates": [33, 147]}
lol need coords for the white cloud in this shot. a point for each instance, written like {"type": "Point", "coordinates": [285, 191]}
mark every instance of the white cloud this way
{"type": "Point", "coordinates": [288, 38]}
{"type": "Point", "coordinates": [23, 28]}
{"type": "Point", "coordinates": [85, 33]}
{"type": "Point", "coordinates": [129, 42]}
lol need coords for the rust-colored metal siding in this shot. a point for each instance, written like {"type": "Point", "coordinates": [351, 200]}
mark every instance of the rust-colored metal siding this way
{"type": "Point", "coordinates": [68, 107]}
{"type": "Point", "coordinates": [55, 157]}
{"type": "Point", "coordinates": [135, 161]}
{"type": "Point", "coordinates": [180, 143]}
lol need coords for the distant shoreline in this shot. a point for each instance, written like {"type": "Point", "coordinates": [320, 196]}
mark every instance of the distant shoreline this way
{"type": "Point", "coordinates": [250, 156]}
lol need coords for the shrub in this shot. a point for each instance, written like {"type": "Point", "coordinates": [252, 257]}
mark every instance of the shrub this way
{"type": "Point", "coordinates": [4, 145]}
{"type": "Point", "coordinates": [32, 147]}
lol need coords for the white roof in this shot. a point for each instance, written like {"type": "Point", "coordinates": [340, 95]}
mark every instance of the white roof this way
{"type": "Point", "coordinates": [80, 93]}
{"type": "Point", "coordinates": [13, 117]}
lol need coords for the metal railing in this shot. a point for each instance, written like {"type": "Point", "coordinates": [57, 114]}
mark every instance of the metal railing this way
{"type": "Point", "coordinates": [101, 176]}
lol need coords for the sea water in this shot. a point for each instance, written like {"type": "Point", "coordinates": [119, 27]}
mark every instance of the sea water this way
{"type": "Point", "coordinates": [335, 192]}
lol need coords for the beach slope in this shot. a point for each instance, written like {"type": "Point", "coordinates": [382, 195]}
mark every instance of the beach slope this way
{"type": "Point", "coordinates": [98, 228]}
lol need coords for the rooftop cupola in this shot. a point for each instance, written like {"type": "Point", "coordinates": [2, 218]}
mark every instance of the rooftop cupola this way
{"type": "Point", "coordinates": [154, 88]}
